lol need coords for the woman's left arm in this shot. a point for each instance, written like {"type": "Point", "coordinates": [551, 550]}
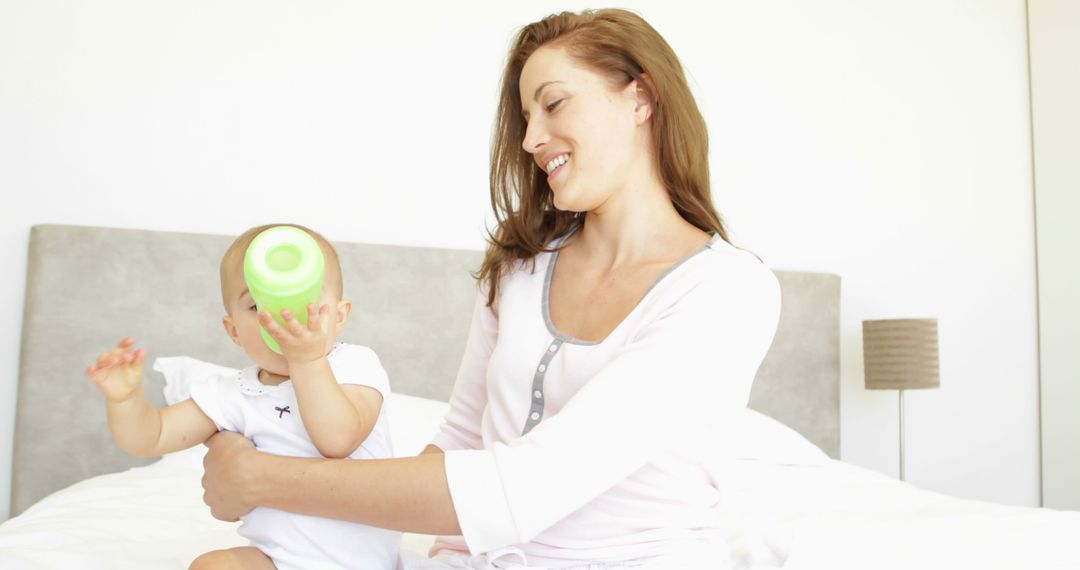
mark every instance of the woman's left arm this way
{"type": "Point", "coordinates": [407, 494]}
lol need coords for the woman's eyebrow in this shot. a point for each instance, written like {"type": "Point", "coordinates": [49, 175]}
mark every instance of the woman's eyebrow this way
{"type": "Point", "coordinates": [536, 94]}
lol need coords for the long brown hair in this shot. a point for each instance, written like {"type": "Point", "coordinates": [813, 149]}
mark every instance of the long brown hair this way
{"type": "Point", "coordinates": [624, 47]}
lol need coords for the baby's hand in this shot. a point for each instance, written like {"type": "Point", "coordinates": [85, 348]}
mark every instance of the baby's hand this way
{"type": "Point", "coordinates": [118, 372]}
{"type": "Point", "coordinates": [300, 343]}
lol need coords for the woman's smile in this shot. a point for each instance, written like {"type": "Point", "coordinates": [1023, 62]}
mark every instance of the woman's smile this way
{"type": "Point", "coordinates": [557, 165]}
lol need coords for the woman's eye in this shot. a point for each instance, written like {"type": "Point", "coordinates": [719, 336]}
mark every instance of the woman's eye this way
{"type": "Point", "coordinates": [253, 308]}
{"type": "Point", "coordinates": [551, 107]}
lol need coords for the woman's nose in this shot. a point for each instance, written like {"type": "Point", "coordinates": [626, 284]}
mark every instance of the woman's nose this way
{"type": "Point", "coordinates": [535, 136]}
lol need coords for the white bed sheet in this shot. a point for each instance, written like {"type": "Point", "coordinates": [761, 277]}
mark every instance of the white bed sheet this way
{"type": "Point", "coordinates": [787, 506]}
{"type": "Point", "coordinates": [147, 517]}
{"type": "Point", "coordinates": [153, 517]}
{"type": "Point", "coordinates": [840, 516]}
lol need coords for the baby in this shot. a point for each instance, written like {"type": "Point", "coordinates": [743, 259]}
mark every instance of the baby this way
{"type": "Point", "coordinates": [317, 398]}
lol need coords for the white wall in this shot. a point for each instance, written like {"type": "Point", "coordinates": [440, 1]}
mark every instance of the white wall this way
{"type": "Point", "coordinates": [1055, 88]}
{"type": "Point", "coordinates": [886, 142]}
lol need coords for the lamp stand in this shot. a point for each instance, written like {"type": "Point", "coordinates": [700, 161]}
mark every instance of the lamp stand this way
{"type": "Point", "coordinates": [901, 434]}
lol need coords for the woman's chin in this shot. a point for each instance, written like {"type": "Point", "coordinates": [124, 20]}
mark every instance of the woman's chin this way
{"type": "Point", "coordinates": [565, 201]}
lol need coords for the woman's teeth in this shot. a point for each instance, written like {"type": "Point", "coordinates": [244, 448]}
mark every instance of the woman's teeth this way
{"type": "Point", "coordinates": [557, 162]}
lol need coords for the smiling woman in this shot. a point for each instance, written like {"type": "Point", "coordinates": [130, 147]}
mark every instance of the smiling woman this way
{"type": "Point", "coordinates": [587, 62]}
{"type": "Point", "coordinates": [638, 341]}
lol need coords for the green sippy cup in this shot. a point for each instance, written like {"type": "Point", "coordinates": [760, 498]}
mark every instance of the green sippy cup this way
{"type": "Point", "coordinates": [283, 268]}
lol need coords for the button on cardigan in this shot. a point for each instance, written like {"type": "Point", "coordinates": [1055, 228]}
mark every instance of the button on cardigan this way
{"type": "Point", "coordinates": [577, 450]}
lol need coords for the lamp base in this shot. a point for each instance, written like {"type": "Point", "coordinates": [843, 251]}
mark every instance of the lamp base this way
{"type": "Point", "coordinates": [901, 434]}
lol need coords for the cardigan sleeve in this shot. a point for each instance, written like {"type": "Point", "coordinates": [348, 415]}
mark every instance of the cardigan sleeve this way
{"type": "Point", "coordinates": [692, 363]}
{"type": "Point", "coordinates": [461, 426]}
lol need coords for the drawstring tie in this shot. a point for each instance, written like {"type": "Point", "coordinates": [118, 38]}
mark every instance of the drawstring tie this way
{"type": "Point", "coordinates": [509, 558]}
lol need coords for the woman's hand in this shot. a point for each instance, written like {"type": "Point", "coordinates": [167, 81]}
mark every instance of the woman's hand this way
{"type": "Point", "coordinates": [228, 469]}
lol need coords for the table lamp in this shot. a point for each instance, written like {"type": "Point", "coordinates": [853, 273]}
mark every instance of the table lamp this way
{"type": "Point", "coordinates": [901, 354]}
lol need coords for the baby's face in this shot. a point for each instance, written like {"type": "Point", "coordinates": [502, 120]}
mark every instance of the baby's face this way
{"type": "Point", "coordinates": [242, 324]}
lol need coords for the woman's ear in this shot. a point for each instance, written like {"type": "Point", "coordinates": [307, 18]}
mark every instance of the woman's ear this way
{"type": "Point", "coordinates": [642, 86]}
{"type": "Point", "coordinates": [230, 329]}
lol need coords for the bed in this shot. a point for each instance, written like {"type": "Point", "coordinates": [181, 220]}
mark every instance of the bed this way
{"type": "Point", "coordinates": [79, 501]}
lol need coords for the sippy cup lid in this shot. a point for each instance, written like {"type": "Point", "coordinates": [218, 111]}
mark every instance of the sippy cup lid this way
{"type": "Point", "coordinates": [282, 261]}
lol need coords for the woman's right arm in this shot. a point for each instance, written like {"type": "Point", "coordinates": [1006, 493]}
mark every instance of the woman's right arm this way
{"type": "Point", "coordinates": [409, 494]}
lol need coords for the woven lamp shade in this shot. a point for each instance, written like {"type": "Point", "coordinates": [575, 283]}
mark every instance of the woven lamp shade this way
{"type": "Point", "coordinates": [901, 354]}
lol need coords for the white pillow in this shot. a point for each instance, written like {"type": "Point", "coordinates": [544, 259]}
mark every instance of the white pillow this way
{"type": "Point", "coordinates": [762, 438]}
{"type": "Point", "coordinates": [413, 422]}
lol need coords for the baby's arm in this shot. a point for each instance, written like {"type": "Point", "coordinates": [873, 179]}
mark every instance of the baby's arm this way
{"type": "Point", "coordinates": [337, 418]}
{"type": "Point", "coordinates": [139, 427]}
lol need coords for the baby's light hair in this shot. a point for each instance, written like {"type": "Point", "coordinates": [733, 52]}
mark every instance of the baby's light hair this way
{"type": "Point", "coordinates": [232, 263]}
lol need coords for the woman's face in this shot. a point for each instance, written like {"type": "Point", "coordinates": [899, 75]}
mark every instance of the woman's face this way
{"type": "Point", "coordinates": [583, 132]}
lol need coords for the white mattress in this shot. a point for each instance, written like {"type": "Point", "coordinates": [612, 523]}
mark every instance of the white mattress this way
{"type": "Point", "coordinates": [785, 508]}
{"type": "Point", "coordinates": [840, 516]}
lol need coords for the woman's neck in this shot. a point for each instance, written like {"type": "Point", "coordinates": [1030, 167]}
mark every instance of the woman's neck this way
{"type": "Point", "coordinates": [639, 223]}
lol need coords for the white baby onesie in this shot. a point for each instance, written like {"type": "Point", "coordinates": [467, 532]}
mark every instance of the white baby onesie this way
{"type": "Point", "coordinates": [270, 418]}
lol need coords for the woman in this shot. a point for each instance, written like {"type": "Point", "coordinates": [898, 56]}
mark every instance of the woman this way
{"type": "Point", "coordinates": [615, 332]}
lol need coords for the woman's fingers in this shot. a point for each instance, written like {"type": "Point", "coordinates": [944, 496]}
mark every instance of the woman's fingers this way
{"type": "Point", "coordinates": [220, 465]}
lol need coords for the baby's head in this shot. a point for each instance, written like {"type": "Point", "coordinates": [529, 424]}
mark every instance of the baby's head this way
{"type": "Point", "coordinates": [241, 318]}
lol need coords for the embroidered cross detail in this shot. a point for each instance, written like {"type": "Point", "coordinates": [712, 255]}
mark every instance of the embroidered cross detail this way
{"type": "Point", "coordinates": [281, 411]}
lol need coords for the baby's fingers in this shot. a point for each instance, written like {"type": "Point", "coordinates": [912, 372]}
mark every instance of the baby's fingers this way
{"type": "Point", "coordinates": [94, 372]}
{"type": "Point", "coordinates": [291, 323]}
{"type": "Point", "coordinates": [270, 325]}
{"type": "Point", "coordinates": [136, 357]}
{"type": "Point", "coordinates": [318, 318]}
{"type": "Point", "coordinates": [116, 354]}
{"type": "Point", "coordinates": [107, 359]}
{"type": "Point", "coordinates": [99, 370]}
{"type": "Point", "coordinates": [98, 373]}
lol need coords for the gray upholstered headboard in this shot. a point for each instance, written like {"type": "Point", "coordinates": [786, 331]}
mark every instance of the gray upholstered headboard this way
{"type": "Point", "coordinates": [87, 287]}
